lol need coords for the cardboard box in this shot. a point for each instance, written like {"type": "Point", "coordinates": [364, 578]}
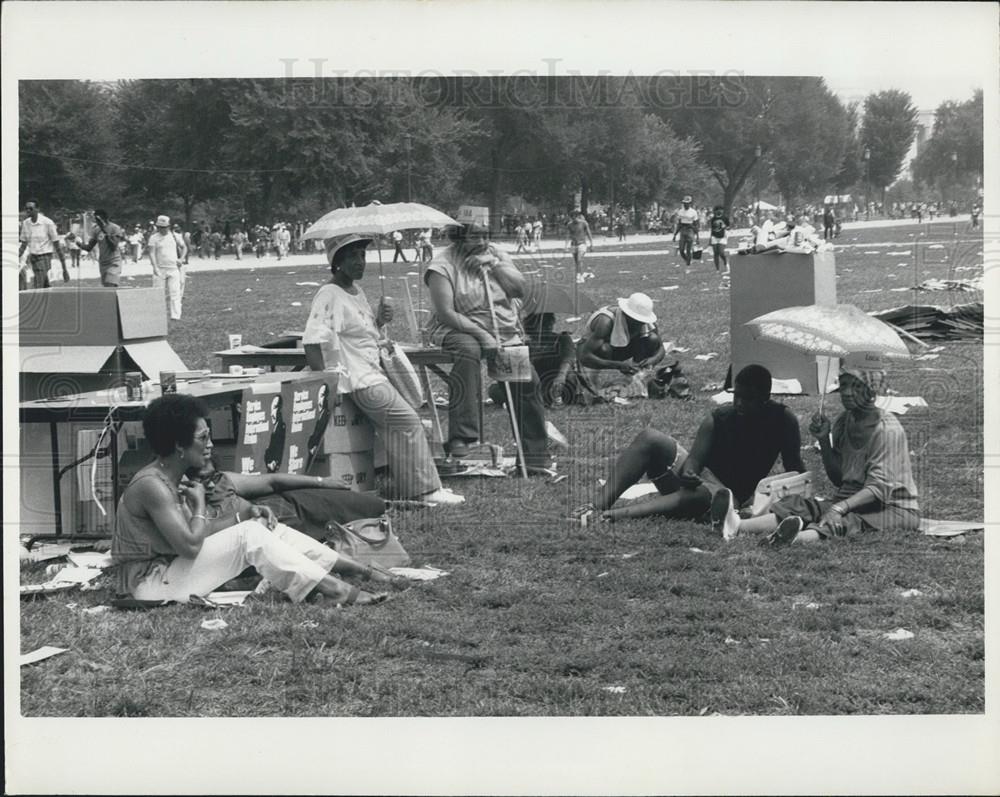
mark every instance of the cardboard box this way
{"type": "Point", "coordinates": [762, 283]}
{"type": "Point", "coordinates": [355, 468]}
{"type": "Point", "coordinates": [73, 340]}
{"type": "Point", "coordinates": [348, 430]}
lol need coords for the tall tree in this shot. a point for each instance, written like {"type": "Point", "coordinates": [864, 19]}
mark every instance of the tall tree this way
{"type": "Point", "coordinates": [887, 131]}
{"type": "Point", "coordinates": [954, 150]}
{"type": "Point", "coordinates": [66, 145]}
{"type": "Point", "coordinates": [791, 126]}
{"type": "Point", "coordinates": [851, 165]}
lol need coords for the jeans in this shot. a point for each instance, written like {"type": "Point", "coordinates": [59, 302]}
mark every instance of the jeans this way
{"type": "Point", "coordinates": [465, 385]}
{"type": "Point", "coordinates": [407, 452]}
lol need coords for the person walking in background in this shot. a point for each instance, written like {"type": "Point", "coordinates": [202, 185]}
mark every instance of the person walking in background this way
{"type": "Point", "coordinates": [397, 243]}
{"type": "Point", "coordinates": [135, 243]}
{"type": "Point", "coordinates": [829, 223]}
{"type": "Point", "coordinates": [109, 254]}
{"type": "Point", "coordinates": [579, 239]}
{"type": "Point", "coordinates": [166, 253]}
{"type": "Point", "coordinates": [217, 242]}
{"type": "Point", "coordinates": [687, 228]}
{"type": "Point", "coordinates": [718, 227]}
{"type": "Point", "coordinates": [39, 236]}
{"type": "Point", "coordinates": [238, 240]}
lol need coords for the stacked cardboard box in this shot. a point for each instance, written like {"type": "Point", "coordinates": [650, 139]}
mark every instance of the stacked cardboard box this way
{"type": "Point", "coordinates": [348, 446]}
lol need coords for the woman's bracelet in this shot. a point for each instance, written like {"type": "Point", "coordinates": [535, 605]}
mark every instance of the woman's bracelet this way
{"type": "Point", "coordinates": [840, 509]}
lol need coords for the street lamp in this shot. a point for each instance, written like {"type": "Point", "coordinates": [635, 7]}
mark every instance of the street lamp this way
{"type": "Point", "coordinates": [868, 181]}
{"type": "Point", "coordinates": [409, 175]}
{"type": "Point", "coordinates": [756, 153]}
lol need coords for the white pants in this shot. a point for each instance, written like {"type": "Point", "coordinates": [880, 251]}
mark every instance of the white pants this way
{"type": "Point", "coordinates": [292, 561]}
{"type": "Point", "coordinates": [174, 278]}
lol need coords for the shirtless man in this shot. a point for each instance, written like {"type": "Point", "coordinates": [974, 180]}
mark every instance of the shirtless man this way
{"type": "Point", "coordinates": [579, 238]}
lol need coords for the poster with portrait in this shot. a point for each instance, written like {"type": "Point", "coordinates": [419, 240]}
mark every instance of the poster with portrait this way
{"type": "Point", "coordinates": [308, 404]}
{"type": "Point", "coordinates": [260, 446]}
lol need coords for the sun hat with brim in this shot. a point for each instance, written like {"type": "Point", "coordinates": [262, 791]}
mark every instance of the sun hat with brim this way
{"type": "Point", "coordinates": [334, 245]}
{"type": "Point", "coordinates": [638, 306]}
{"type": "Point", "coordinates": [686, 199]}
{"type": "Point", "coordinates": [163, 221]}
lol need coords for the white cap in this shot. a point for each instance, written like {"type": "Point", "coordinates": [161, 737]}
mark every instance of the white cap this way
{"type": "Point", "coordinates": [163, 221]}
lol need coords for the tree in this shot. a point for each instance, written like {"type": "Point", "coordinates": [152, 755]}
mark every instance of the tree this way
{"type": "Point", "coordinates": [954, 150]}
{"type": "Point", "coordinates": [887, 131]}
{"type": "Point", "coordinates": [794, 124]}
{"type": "Point", "coordinates": [66, 145]}
{"type": "Point", "coordinates": [851, 165]}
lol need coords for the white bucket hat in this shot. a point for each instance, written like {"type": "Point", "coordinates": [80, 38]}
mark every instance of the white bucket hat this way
{"type": "Point", "coordinates": [163, 221]}
{"type": "Point", "coordinates": [638, 306]}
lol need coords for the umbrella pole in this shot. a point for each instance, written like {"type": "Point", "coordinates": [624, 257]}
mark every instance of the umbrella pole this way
{"type": "Point", "coordinates": [381, 273]}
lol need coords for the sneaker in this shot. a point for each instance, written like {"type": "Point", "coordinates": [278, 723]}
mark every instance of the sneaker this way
{"type": "Point", "coordinates": [788, 529]}
{"type": "Point", "coordinates": [443, 496]}
{"type": "Point", "coordinates": [725, 520]}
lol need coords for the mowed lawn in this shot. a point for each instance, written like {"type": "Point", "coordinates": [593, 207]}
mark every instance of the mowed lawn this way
{"type": "Point", "coordinates": [538, 617]}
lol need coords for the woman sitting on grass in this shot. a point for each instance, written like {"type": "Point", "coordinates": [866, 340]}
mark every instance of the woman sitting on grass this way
{"type": "Point", "coordinates": [167, 549]}
{"type": "Point", "coordinates": [868, 462]}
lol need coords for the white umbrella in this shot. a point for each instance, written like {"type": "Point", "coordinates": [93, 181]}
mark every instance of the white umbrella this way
{"type": "Point", "coordinates": [377, 219]}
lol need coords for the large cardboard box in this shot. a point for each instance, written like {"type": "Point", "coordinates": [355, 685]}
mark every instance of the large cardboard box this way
{"type": "Point", "coordinates": [73, 340]}
{"type": "Point", "coordinates": [348, 430]}
{"type": "Point", "coordinates": [355, 468]}
{"type": "Point", "coordinates": [762, 283]}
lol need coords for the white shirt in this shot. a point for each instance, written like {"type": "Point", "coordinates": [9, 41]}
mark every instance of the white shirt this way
{"type": "Point", "coordinates": [163, 249]}
{"type": "Point", "coordinates": [344, 327]}
{"type": "Point", "coordinates": [687, 216]}
{"type": "Point", "coordinates": [39, 235]}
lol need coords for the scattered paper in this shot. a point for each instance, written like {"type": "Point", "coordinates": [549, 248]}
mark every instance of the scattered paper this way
{"type": "Point", "coordinates": [723, 398]}
{"type": "Point", "coordinates": [630, 555]}
{"type": "Point", "coordinates": [615, 690]}
{"type": "Point", "coordinates": [670, 287]}
{"type": "Point", "coordinates": [39, 655]}
{"type": "Point", "coordinates": [296, 304]}
{"type": "Point", "coordinates": [949, 528]}
{"type": "Point", "coordinates": [872, 290]}
{"type": "Point", "coordinates": [872, 252]}
{"type": "Point", "coordinates": [899, 634]}
{"type": "Point", "coordinates": [308, 283]}
{"type": "Point", "coordinates": [898, 254]}
{"type": "Point", "coordinates": [215, 624]}
{"type": "Point", "coordinates": [624, 272]}
{"type": "Point", "coordinates": [97, 609]}
{"type": "Point", "coordinates": [232, 598]}
{"type": "Point", "coordinates": [910, 593]}
{"type": "Point", "coordinates": [573, 319]}
{"type": "Point", "coordinates": [425, 573]}
{"type": "Point", "coordinates": [697, 550]}
{"type": "Point", "coordinates": [45, 551]}
{"type": "Point", "coordinates": [619, 400]}
{"type": "Point", "coordinates": [706, 357]}
{"type": "Point", "coordinates": [309, 624]}
{"type": "Point", "coordinates": [555, 435]}
{"type": "Point", "coordinates": [900, 290]}
{"type": "Point", "coordinates": [935, 246]}
{"type": "Point", "coordinates": [248, 290]}
{"type": "Point", "coordinates": [899, 405]}
{"type": "Point", "coordinates": [680, 349]}
{"type": "Point", "coordinates": [74, 575]}
{"type": "Point", "coordinates": [91, 559]}
{"type": "Point", "coordinates": [602, 575]}
{"type": "Point", "coordinates": [731, 641]}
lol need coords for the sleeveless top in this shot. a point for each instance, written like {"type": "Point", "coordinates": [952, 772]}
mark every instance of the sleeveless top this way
{"type": "Point", "coordinates": [137, 545]}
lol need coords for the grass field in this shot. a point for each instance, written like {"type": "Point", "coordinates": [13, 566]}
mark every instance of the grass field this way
{"type": "Point", "coordinates": [540, 618]}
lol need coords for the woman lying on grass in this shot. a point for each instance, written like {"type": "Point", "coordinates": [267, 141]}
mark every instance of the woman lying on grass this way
{"type": "Point", "coordinates": [167, 549]}
{"type": "Point", "coordinates": [868, 460]}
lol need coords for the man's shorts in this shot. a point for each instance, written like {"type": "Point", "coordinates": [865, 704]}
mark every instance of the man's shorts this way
{"type": "Point", "coordinates": [580, 250]}
{"type": "Point", "coordinates": [717, 241]}
{"type": "Point", "coordinates": [669, 482]}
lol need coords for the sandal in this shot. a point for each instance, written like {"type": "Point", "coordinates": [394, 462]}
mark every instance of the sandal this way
{"type": "Point", "coordinates": [355, 593]}
{"type": "Point", "coordinates": [788, 529]}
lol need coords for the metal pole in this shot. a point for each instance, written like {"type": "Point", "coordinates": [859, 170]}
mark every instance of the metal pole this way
{"type": "Point", "coordinates": [409, 175]}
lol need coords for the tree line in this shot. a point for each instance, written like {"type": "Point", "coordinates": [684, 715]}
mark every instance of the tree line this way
{"type": "Point", "coordinates": [258, 149]}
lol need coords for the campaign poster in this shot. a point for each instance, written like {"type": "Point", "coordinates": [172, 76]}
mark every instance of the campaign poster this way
{"type": "Point", "coordinates": [261, 445]}
{"type": "Point", "coordinates": [309, 404]}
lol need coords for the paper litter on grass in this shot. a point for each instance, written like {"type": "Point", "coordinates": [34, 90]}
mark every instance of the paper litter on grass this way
{"type": "Point", "coordinates": [101, 609]}
{"type": "Point", "coordinates": [670, 287]}
{"type": "Point", "coordinates": [679, 349]}
{"type": "Point", "coordinates": [910, 593]}
{"type": "Point", "coordinates": [296, 304]}
{"type": "Point", "coordinates": [619, 400]}
{"type": "Point", "coordinates": [949, 528]}
{"type": "Point", "coordinates": [425, 573]}
{"type": "Point", "coordinates": [899, 405]}
{"type": "Point", "coordinates": [40, 655]}
{"type": "Point", "coordinates": [75, 575]}
{"type": "Point", "coordinates": [697, 550]}
{"type": "Point", "coordinates": [315, 284]}
{"type": "Point", "coordinates": [573, 319]}
{"type": "Point", "coordinates": [91, 559]}
{"type": "Point", "coordinates": [723, 398]}
{"type": "Point", "coordinates": [215, 624]}
{"type": "Point", "coordinates": [231, 598]}
{"type": "Point", "coordinates": [615, 690]}
{"type": "Point", "coordinates": [45, 551]}
{"type": "Point", "coordinates": [706, 357]}
{"type": "Point", "coordinates": [899, 634]}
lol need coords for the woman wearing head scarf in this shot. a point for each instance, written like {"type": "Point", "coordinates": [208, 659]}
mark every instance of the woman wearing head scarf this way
{"type": "Point", "coordinates": [868, 460]}
{"type": "Point", "coordinates": [462, 325]}
{"type": "Point", "coordinates": [342, 335]}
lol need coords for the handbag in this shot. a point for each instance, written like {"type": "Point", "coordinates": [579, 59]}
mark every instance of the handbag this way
{"type": "Point", "coordinates": [401, 373]}
{"type": "Point", "coordinates": [781, 485]}
{"type": "Point", "coordinates": [369, 541]}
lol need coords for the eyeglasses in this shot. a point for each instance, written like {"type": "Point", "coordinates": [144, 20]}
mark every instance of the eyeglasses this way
{"type": "Point", "coordinates": [203, 437]}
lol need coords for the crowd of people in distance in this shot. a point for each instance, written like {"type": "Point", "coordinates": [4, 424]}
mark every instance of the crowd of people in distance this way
{"type": "Point", "coordinates": [184, 527]}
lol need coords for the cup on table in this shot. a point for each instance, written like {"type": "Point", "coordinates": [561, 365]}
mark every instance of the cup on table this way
{"type": "Point", "coordinates": [236, 370]}
{"type": "Point", "coordinates": [235, 341]}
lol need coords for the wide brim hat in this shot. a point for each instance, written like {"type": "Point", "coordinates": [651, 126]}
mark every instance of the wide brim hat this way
{"type": "Point", "coordinates": [638, 306]}
{"type": "Point", "coordinates": [687, 199]}
{"type": "Point", "coordinates": [335, 244]}
{"type": "Point", "coordinates": [163, 221]}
